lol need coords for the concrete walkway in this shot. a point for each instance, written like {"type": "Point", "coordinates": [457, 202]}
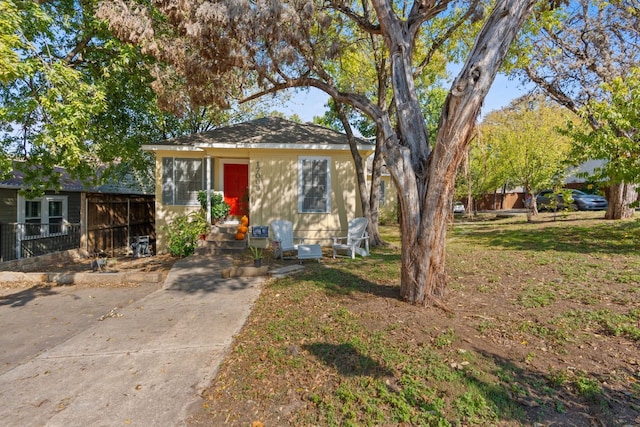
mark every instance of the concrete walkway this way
{"type": "Point", "coordinates": [143, 365]}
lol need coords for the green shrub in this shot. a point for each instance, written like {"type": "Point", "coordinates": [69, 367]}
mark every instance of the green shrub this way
{"type": "Point", "coordinates": [219, 208]}
{"type": "Point", "coordinates": [388, 214]}
{"type": "Point", "coordinates": [183, 233]}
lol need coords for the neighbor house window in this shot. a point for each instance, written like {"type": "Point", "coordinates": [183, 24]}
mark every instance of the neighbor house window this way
{"type": "Point", "coordinates": [32, 217]}
{"type": "Point", "coordinates": [314, 182]}
{"type": "Point", "coordinates": [45, 216]}
{"type": "Point", "coordinates": [383, 193]}
{"type": "Point", "coordinates": [182, 179]}
{"type": "Point", "coordinates": [56, 216]}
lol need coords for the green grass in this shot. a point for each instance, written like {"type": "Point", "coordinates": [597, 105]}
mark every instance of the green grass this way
{"type": "Point", "coordinates": [538, 296]}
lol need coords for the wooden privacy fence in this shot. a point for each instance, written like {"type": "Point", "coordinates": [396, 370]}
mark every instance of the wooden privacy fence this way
{"type": "Point", "coordinates": [114, 221]}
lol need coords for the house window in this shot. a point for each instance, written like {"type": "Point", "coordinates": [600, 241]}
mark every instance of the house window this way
{"type": "Point", "coordinates": [182, 179]}
{"type": "Point", "coordinates": [314, 182]}
{"type": "Point", "coordinates": [44, 216]}
{"type": "Point", "coordinates": [56, 216]}
{"type": "Point", "coordinates": [32, 217]}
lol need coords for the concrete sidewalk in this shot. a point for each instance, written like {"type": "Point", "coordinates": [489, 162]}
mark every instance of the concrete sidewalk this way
{"type": "Point", "coordinates": [143, 365]}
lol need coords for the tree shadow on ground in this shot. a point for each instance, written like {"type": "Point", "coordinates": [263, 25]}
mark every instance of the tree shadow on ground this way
{"type": "Point", "coordinates": [522, 395]}
{"type": "Point", "coordinates": [336, 278]}
{"type": "Point", "coordinates": [552, 398]}
{"type": "Point", "coordinates": [195, 283]}
{"type": "Point", "coordinates": [347, 360]}
{"type": "Point", "coordinates": [203, 274]}
{"type": "Point", "coordinates": [22, 298]}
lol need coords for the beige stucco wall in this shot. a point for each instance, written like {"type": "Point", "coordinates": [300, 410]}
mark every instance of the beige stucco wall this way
{"type": "Point", "coordinates": [273, 188]}
{"type": "Point", "coordinates": [273, 185]}
{"type": "Point", "coordinates": [165, 214]}
{"type": "Point", "coordinates": [389, 209]}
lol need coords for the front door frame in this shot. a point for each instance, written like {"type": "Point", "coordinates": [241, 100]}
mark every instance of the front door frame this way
{"type": "Point", "coordinates": [237, 161]}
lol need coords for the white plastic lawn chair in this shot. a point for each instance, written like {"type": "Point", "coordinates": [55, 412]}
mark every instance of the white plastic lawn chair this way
{"type": "Point", "coordinates": [283, 240]}
{"type": "Point", "coordinates": [352, 242]}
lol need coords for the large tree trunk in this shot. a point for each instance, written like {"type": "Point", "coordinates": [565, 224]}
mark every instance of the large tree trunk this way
{"type": "Point", "coordinates": [423, 279]}
{"type": "Point", "coordinates": [620, 197]}
{"type": "Point", "coordinates": [425, 180]}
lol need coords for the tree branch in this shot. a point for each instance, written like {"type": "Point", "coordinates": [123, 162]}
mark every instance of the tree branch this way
{"type": "Point", "coordinates": [438, 42]}
{"type": "Point", "coordinates": [78, 48]}
{"type": "Point", "coordinates": [422, 11]}
{"type": "Point", "coordinates": [355, 100]}
{"type": "Point", "coordinates": [360, 20]}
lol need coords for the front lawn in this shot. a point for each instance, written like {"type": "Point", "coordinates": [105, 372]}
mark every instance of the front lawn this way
{"type": "Point", "coordinates": [545, 329]}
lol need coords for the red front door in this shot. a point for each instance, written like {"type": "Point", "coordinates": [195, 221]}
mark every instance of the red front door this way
{"type": "Point", "coordinates": [236, 188]}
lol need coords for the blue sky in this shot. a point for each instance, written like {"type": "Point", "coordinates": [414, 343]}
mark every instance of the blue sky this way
{"type": "Point", "coordinates": [502, 92]}
{"type": "Point", "coordinates": [310, 103]}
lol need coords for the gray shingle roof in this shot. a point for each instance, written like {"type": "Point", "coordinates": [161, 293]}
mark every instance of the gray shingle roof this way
{"type": "Point", "coordinates": [128, 185]}
{"type": "Point", "coordinates": [267, 130]}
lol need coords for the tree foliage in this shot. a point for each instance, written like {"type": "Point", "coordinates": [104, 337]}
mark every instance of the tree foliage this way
{"type": "Point", "coordinates": [571, 51]}
{"type": "Point", "coordinates": [524, 144]}
{"type": "Point", "coordinates": [481, 173]}
{"type": "Point", "coordinates": [74, 96]}
{"type": "Point", "coordinates": [356, 70]}
{"type": "Point", "coordinates": [9, 41]}
{"type": "Point", "coordinates": [69, 92]}
{"type": "Point", "coordinates": [616, 140]}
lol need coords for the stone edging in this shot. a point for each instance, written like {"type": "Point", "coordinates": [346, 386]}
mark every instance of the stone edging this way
{"type": "Point", "coordinates": [261, 271]}
{"type": "Point", "coordinates": [91, 278]}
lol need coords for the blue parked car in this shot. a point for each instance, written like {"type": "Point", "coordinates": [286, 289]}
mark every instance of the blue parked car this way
{"type": "Point", "coordinates": [581, 201]}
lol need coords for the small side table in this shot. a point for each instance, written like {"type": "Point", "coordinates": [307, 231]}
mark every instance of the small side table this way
{"type": "Point", "coordinates": [309, 252]}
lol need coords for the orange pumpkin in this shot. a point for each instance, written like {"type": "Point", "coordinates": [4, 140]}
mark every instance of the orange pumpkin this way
{"type": "Point", "coordinates": [243, 229]}
{"type": "Point", "coordinates": [244, 220]}
{"type": "Point", "coordinates": [239, 236]}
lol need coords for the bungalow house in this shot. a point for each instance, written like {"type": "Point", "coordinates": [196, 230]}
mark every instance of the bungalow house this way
{"type": "Point", "coordinates": [267, 169]}
{"type": "Point", "coordinates": [100, 218]}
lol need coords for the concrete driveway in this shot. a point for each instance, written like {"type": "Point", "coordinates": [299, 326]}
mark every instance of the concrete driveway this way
{"type": "Point", "coordinates": [126, 356]}
{"type": "Point", "coordinates": [35, 319]}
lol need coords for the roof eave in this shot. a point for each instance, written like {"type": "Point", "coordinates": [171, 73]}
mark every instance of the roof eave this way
{"type": "Point", "coordinates": [283, 146]}
{"type": "Point", "coordinates": [159, 147]}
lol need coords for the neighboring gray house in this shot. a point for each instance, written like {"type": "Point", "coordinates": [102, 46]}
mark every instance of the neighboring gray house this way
{"type": "Point", "coordinates": [102, 218]}
{"type": "Point", "coordinates": [587, 167]}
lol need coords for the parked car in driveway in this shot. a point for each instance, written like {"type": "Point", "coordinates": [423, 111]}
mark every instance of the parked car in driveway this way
{"type": "Point", "coordinates": [458, 208]}
{"type": "Point", "coordinates": [581, 201]}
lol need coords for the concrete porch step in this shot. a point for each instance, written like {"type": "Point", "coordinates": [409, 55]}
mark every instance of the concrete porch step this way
{"type": "Point", "coordinates": [221, 240]}
{"type": "Point", "coordinates": [223, 232]}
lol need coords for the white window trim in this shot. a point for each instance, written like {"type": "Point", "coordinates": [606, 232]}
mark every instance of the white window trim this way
{"type": "Point", "coordinates": [173, 189]}
{"type": "Point", "coordinates": [302, 159]}
{"type": "Point", "coordinates": [44, 216]}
